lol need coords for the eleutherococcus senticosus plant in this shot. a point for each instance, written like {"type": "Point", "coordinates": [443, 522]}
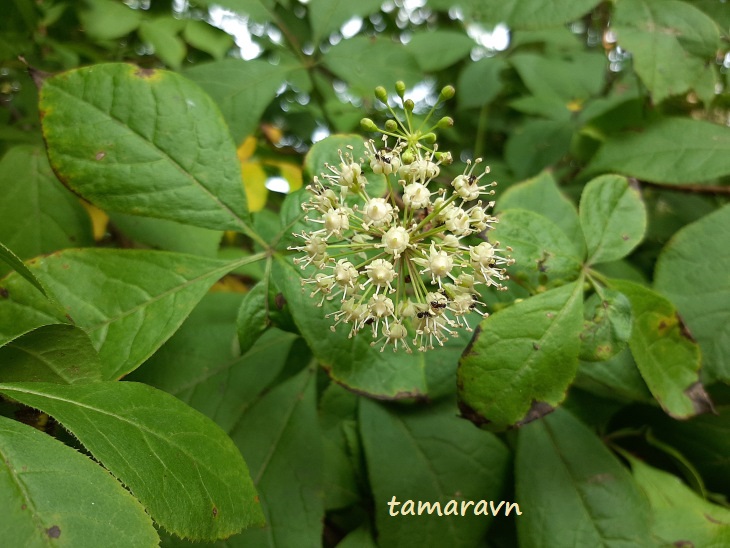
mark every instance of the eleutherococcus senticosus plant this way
{"type": "Point", "coordinates": [397, 263]}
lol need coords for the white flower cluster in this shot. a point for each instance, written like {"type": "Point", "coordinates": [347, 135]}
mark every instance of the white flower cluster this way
{"type": "Point", "coordinates": [405, 263]}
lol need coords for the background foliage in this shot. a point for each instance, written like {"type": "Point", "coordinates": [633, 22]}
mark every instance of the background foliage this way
{"type": "Point", "coordinates": [152, 322]}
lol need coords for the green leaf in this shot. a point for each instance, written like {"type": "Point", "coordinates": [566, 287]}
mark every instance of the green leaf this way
{"type": "Point", "coordinates": [252, 318]}
{"type": "Point", "coordinates": [37, 215]}
{"type": "Point", "coordinates": [544, 256]}
{"type": "Point", "coordinates": [697, 283]}
{"type": "Point", "coordinates": [128, 301]}
{"type": "Point", "coordinates": [12, 260]}
{"type": "Point", "coordinates": [53, 353]}
{"type": "Point", "coordinates": [560, 459]}
{"type": "Point", "coordinates": [437, 49]}
{"type": "Point", "coordinates": [178, 463]}
{"type": "Point", "coordinates": [242, 90]}
{"type": "Point", "coordinates": [328, 16]}
{"type": "Point", "coordinates": [429, 455]}
{"type": "Point", "coordinates": [671, 43]}
{"type": "Point", "coordinates": [607, 325]}
{"type": "Point", "coordinates": [672, 150]}
{"type": "Point", "coordinates": [279, 437]}
{"type": "Point", "coordinates": [365, 63]}
{"type": "Point", "coordinates": [669, 360]}
{"type": "Point", "coordinates": [542, 195]}
{"type": "Point", "coordinates": [567, 78]}
{"type": "Point", "coordinates": [162, 34]}
{"type": "Point", "coordinates": [536, 145]}
{"type": "Point", "coordinates": [109, 20]}
{"type": "Point", "coordinates": [613, 218]}
{"type": "Point", "coordinates": [169, 235]}
{"type": "Point", "coordinates": [535, 14]}
{"type": "Point", "coordinates": [681, 516]}
{"type": "Point", "coordinates": [480, 82]}
{"type": "Point", "coordinates": [343, 471]}
{"type": "Point", "coordinates": [616, 378]}
{"type": "Point", "coordinates": [522, 359]}
{"type": "Point", "coordinates": [206, 38]}
{"type": "Point", "coordinates": [37, 476]}
{"type": "Point", "coordinates": [201, 365]}
{"type": "Point", "coordinates": [152, 144]}
{"type": "Point", "coordinates": [705, 441]}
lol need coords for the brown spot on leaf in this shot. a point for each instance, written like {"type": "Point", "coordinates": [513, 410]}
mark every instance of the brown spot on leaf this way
{"type": "Point", "coordinates": [550, 315]}
{"type": "Point", "coordinates": [64, 266]}
{"type": "Point", "coordinates": [701, 401]}
{"type": "Point", "coordinates": [709, 518]}
{"type": "Point", "coordinates": [468, 350]}
{"type": "Point", "coordinates": [100, 155]}
{"type": "Point", "coordinates": [684, 330]}
{"type": "Point", "coordinates": [535, 346]}
{"type": "Point", "coordinates": [625, 237]}
{"type": "Point", "coordinates": [4, 293]}
{"type": "Point", "coordinates": [53, 532]}
{"type": "Point", "coordinates": [538, 410]}
{"type": "Point", "coordinates": [215, 512]}
{"type": "Point", "coordinates": [23, 507]}
{"type": "Point", "coordinates": [683, 544]}
{"type": "Point", "coordinates": [145, 72]}
{"type": "Point", "coordinates": [600, 478]}
{"type": "Point", "coordinates": [471, 415]}
{"type": "Point", "coordinates": [280, 301]}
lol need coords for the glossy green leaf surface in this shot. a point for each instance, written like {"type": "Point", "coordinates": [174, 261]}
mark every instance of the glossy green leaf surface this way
{"type": "Point", "coordinates": [669, 360]}
{"type": "Point", "coordinates": [542, 252]}
{"type": "Point", "coordinates": [536, 145]}
{"type": "Point", "coordinates": [449, 460]}
{"type": "Point", "coordinates": [129, 302]}
{"type": "Point", "coordinates": [613, 218]}
{"type": "Point", "coordinates": [681, 516]}
{"type": "Point", "coordinates": [616, 378]}
{"type": "Point", "coordinates": [671, 150]}
{"type": "Point", "coordinates": [599, 502]}
{"type": "Point", "coordinates": [252, 319]}
{"type": "Point", "coordinates": [522, 359]}
{"type": "Point", "coordinates": [698, 284]}
{"type": "Point", "coordinates": [36, 477]}
{"type": "Point", "coordinates": [145, 142]}
{"type": "Point", "coordinates": [52, 353]}
{"type": "Point", "coordinates": [12, 261]}
{"type": "Point", "coordinates": [670, 42]}
{"type": "Point", "coordinates": [37, 215]}
{"type": "Point", "coordinates": [178, 463]}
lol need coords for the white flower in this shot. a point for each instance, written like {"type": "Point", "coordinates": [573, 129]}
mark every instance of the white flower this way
{"type": "Point", "coordinates": [396, 241]}
{"type": "Point", "coordinates": [416, 195]}
{"type": "Point", "coordinates": [377, 212]}
{"type": "Point", "coordinates": [402, 271]}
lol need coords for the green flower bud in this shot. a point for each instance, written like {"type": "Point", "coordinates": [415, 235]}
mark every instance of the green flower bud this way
{"type": "Point", "coordinates": [368, 125]}
{"type": "Point", "coordinates": [447, 93]}
{"type": "Point", "coordinates": [400, 88]}
{"type": "Point", "coordinates": [409, 105]}
{"type": "Point", "coordinates": [445, 122]}
{"type": "Point", "coordinates": [407, 157]}
{"type": "Point", "coordinates": [391, 125]}
{"type": "Point", "coordinates": [430, 138]}
{"type": "Point", "coordinates": [381, 94]}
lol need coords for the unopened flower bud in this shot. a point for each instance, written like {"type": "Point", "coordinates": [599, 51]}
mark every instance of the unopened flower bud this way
{"type": "Point", "coordinates": [368, 125]}
{"type": "Point", "coordinates": [447, 93]}
{"type": "Point", "coordinates": [400, 88]}
{"type": "Point", "coordinates": [391, 125]}
{"type": "Point", "coordinates": [381, 94]}
{"type": "Point", "coordinates": [446, 121]}
{"type": "Point", "coordinates": [409, 105]}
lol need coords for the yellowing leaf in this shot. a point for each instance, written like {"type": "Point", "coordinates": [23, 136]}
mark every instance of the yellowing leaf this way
{"type": "Point", "coordinates": [99, 220]}
{"type": "Point", "coordinates": [246, 149]}
{"type": "Point", "coordinates": [254, 179]}
{"type": "Point", "coordinates": [273, 133]}
{"type": "Point", "coordinates": [291, 172]}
